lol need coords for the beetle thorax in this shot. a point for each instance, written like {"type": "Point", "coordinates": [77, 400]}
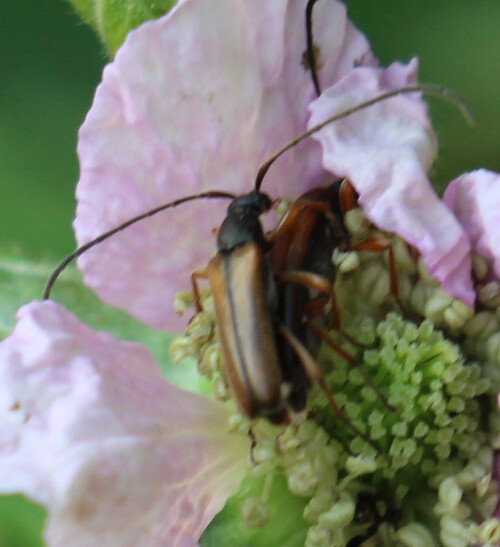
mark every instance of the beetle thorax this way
{"type": "Point", "coordinates": [242, 223]}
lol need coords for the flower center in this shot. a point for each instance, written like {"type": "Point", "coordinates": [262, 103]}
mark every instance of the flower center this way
{"type": "Point", "coordinates": [413, 449]}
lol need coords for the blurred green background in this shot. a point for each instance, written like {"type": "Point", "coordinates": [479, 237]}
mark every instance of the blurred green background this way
{"type": "Point", "coordinates": [50, 64]}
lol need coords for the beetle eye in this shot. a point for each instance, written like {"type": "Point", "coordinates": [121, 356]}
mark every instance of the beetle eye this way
{"type": "Point", "coordinates": [264, 203]}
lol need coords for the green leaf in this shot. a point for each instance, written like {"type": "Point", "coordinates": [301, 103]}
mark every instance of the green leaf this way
{"type": "Point", "coordinates": [22, 280]}
{"type": "Point", "coordinates": [286, 527]}
{"type": "Point", "coordinates": [114, 19]}
{"type": "Point", "coordinates": [21, 522]}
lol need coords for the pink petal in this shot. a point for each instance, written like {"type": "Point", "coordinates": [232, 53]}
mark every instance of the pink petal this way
{"type": "Point", "coordinates": [89, 429]}
{"type": "Point", "coordinates": [475, 200]}
{"type": "Point", "coordinates": [385, 151]}
{"type": "Point", "coordinates": [194, 101]}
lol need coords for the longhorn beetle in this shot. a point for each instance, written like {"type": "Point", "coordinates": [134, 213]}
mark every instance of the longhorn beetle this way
{"type": "Point", "coordinates": [244, 292]}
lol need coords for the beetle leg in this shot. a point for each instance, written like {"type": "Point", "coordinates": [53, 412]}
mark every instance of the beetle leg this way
{"type": "Point", "coordinates": [289, 220]}
{"type": "Point", "coordinates": [286, 222]}
{"type": "Point", "coordinates": [311, 368]}
{"type": "Point", "coordinates": [200, 273]}
{"type": "Point", "coordinates": [348, 197]}
{"type": "Point", "coordinates": [316, 305]}
{"type": "Point", "coordinates": [253, 444]}
{"type": "Point", "coordinates": [309, 280]}
{"type": "Point", "coordinates": [315, 374]}
{"type": "Point", "coordinates": [314, 308]}
{"type": "Point", "coordinates": [324, 337]}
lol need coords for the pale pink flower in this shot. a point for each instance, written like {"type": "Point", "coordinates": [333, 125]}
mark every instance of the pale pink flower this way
{"type": "Point", "coordinates": [198, 99]}
{"type": "Point", "coordinates": [90, 430]}
{"type": "Point", "coordinates": [385, 152]}
{"type": "Point", "coordinates": [475, 200]}
{"type": "Point", "coordinates": [195, 101]}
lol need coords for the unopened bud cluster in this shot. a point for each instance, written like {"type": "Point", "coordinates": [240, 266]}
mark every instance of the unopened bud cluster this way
{"type": "Point", "coordinates": [413, 451]}
{"type": "Point", "coordinates": [200, 341]}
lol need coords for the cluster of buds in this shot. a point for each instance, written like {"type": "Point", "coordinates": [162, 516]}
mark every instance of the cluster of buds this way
{"type": "Point", "coordinates": [428, 416]}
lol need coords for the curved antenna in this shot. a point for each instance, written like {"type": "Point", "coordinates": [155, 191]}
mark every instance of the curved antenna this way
{"type": "Point", "coordinates": [99, 239]}
{"type": "Point", "coordinates": [310, 54]}
{"type": "Point", "coordinates": [429, 89]}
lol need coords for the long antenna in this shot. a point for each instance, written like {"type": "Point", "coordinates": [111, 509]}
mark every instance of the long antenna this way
{"type": "Point", "coordinates": [310, 51]}
{"type": "Point", "coordinates": [80, 250]}
{"type": "Point", "coordinates": [429, 89]}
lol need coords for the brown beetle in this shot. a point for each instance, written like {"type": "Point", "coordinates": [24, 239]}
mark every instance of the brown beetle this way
{"type": "Point", "coordinates": [301, 259]}
{"type": "Point", "coordinates": [245, 303]}
{"type": "Point", "coordinates": [266, 377]}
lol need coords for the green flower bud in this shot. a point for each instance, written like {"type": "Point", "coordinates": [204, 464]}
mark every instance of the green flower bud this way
{"type": "Point", "coordinates": [375, 283]}
{"type": "Point", "coordinates": [489, 294]}
{"type": "Point", "coordinates": [457, 314]}
{"type": "Point", "coordinates": [493, 348]}
{"type": "Point", "coordinates": [318, 537]}
{"type": "Point", "coordinates": [302, 479]}
{"type": "Point", "coordinates": [254, 512]}
{"type": "Point", "coordinates": [317, 505]}
{"type": "Point", "coordinates": [415, 535]}
{"type": "Point", "coordinates": [182, 301]}
{"type": "Point", "coordinates": [480, 265]}
{"type": "Point", "coordinates": [356, 222]}
{"type": "Point", "coordinates": [489, 531]}
{"type": "Point", "coordinates": [406, 263]}
{"type": "Point", "coordinates": [114, 19]}
{"type": "Point", "coordinates": [360, 465]}
{"type": "Point", "coordinates": [180, 348]}
{"type": "Point", "coordinates": [345, 262]}
{"type": "Point", "coordinates": [454, 533]}
{"type": "Point", "coordinates": [437, 305]}
{"type": "Point", "coordinates": [450, 494]}
{"type": "Point", "coordinates": [339, 515]}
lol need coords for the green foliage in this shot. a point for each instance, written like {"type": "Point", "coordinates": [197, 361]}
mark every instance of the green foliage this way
{"type": "Point", "coordinates": [288, 528]}
{"type": "Point", "coordinates": [22, 280]}
{"type": "Point", "coordinates": [20, 522]}
{"type": "Point", "coordinates": [114, 19]}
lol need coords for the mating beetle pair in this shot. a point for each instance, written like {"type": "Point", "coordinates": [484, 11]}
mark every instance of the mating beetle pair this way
{"type": "Point", "coordinates": [269, 376]}
{"type": "Point", "coordinates": [261, 323]}
{"type": "Point", "coordinates": [267, 366]}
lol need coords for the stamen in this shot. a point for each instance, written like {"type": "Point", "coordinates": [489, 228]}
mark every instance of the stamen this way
{"type": "Point", "coordinates": [434, 425]}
